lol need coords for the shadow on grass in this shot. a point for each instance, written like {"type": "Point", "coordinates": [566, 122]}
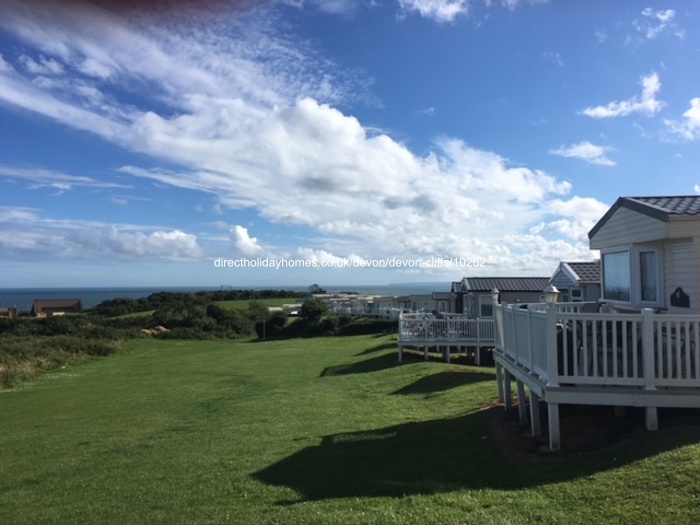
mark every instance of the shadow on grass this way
{"type": "Point", "coordinates": [381, 362]}
{"type": "Point", "coordinates": [440, 456]}
{"type": "Point", "coordinates": [378, 348]}
{"type": "Point", "coordinates": [443, 381]}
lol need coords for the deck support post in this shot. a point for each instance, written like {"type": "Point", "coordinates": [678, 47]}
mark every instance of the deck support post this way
{"type": "Point", "coordinates": [425, 351]}
{"type": "Point", "coordinates": [499, 381]}
{"type": "Point", "coordinates": [522, 403]}
{"type": "Point", "coordinates": [400, 354]}
{"type": "Point", "coordinates": [651, 415]}
{"type": "Point", "coordinates": [554, 434]}
{"type": "Point", "coordinates": [648, 349]}
{"type": "Point", "coordinates": [535, 423]}
{"type": "Point", "coordinates": [507, 394]}
{"type": "Point", "coordinates": [652, 418]}
{"type": "Point", "coordinates": [447, 354]}
{"type": "Point", "coordinates": [477, 355]}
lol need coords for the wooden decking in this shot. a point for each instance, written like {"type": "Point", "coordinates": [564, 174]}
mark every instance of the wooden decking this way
{"type": "Point", "coordinates": [646, 359]}
{"type": "Point", "coordinates": [567, 355]}
{"type": "Point", "coordinates": [445, 334]}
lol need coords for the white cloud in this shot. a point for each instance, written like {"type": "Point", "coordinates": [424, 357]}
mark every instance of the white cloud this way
{"type": "Point", "coordinates": [328, 6]}
{"type": "Point", "coordinates": [656, 22]}
{"type": "Point", "coordinates": [578, 216]}
{"type": "Point", "coordinates": [586, 151]}
{"type": "Point", "coordinates": [512, 4]}
{"type": "Point", "coordinates": [43, 67]}
{"type": "Point", "coordinates": [173, 244]}
{"type": "Point", "coordinates": [244, 243]}
{"type": "Point", "coordinates": [26, 232]}
{"type": "Point", "coordinates": [645, 104]}
{"type": "Point", "coordinates": [48, 178]}
{"type": "Point", "coordinates": [554, 57]}
{"type": "Point", "coordinates": [17, 214]}
{"type": "Point", "coordinates": [265, 135]}
{"type": "Point", "coordinates": [5, 67]}
{"type": "Point", "coordinates": [688, 129]}
{"type": "Point", "coordinates": [439, 10]}
{"type": "Point", "coordinates": [310, 254]}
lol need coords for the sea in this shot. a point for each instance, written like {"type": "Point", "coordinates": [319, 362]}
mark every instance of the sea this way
{"type": "Point", "coordinates": [23, 298]}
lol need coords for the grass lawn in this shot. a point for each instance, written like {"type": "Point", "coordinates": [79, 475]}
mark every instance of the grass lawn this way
{"type": "Point", "coordinates": [316, 431]}
{"type": "Point", "coordinates": [244, 303]}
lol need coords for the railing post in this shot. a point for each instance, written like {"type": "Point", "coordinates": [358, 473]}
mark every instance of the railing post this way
{"type": "Point", "coordinates": [529, 339]}
{"type": "Point", "coordinates": [497, 324]}
{"type": "Point", "coordinates": [513, 335]}
{"type": "Point", "coordinates": [648, 349]}
{"type": "Point", "coordinates": [551, 341]}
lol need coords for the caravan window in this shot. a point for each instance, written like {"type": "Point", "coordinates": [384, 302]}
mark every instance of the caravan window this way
{"type": "Point", "coordinates": [616, 276]}
{"type": "Point", "coordinates": [649, 276]}
{"type": "Point", "coordinates": [485, 306]}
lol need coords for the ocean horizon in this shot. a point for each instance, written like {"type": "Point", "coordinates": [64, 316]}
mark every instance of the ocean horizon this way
{"type": "Point", "coordinates": [23, 298]}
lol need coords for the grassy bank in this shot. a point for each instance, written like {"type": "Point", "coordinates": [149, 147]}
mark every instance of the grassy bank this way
{"type": "Point", "coordinates": [244, 304]}
{"type": "Point", "coordinates": [25, 357]}
{"type": "Point", "coordinates": [314, 431]}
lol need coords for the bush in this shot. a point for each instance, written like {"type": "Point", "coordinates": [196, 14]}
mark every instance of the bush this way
{"type": "Point", "coordinates": [22, 358]}
{"type": "Point", "coordinates": [369, 326]}
{"type": "Point", "coordinates": [271, 328]}
{"type": "Point", "coordinates": [312, 310]}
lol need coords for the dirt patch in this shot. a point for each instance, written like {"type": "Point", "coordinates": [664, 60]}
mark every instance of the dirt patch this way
{"type": "Point", "coordinates": [584, 429]}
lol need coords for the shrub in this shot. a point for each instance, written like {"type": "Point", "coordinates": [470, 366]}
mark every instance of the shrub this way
{"type": "Point", "coordinates": [369, 326]}
{"type": "Point", "coordinates": [23, 357]}
{"type": "Point", "coordinates": [312, 310]}
{"type": "Point", "coordinates": [272, 328]}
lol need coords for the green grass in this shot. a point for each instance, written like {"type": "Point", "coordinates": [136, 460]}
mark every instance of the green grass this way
{"type": "Point", "coordinates": [134, 315]}
{"type": "Point", "coordinates": [314, 431]}
{"type": "Point", "coordinates": [243, 304]}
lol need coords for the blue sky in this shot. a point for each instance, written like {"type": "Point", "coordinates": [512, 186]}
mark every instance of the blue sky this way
{"type": "Point", "coordinates": [139, 145]}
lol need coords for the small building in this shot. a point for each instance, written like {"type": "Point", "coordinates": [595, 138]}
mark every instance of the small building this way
{"type": "Point", "coordinates": [386, 306]}
{"type": "Point", "coordinates": [650, 252]}
{"type": "Point", "coordinates": [51, 307]}
{"type": "Point", "coordinates": [475, 297]}
{"type": "Point", "coordinates": [403, 302]}
{"type": "Point", "coordinates": [642, 349]}
{"type": "Point", "coordinates": [8, 313]}
{"type": "Point", "coordinates": [461, 320]}
{"type": "Point", "coordinates": [458, 293]}
{"type": "Point", "coordinates": [444, 302]}
{"type": "Point", "coordinates": [291, 309]}
{"type": "Point", "coordinates": [423, 302]}
{"type": "Point", "coordinates": [577, 281]}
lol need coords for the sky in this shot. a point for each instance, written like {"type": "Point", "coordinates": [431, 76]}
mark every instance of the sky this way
{"type": "Point", "coordinates": [146, 145]}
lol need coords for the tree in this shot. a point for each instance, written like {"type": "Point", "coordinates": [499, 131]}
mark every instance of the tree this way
{"type": "Point", "coordinates": [257, 311]}
{"type": "Point", "coordinates": [271, 327]}
{"type": "Point", "coordinates": [314, 288]}
{"type": "Point", "coordinates": [312, 310]}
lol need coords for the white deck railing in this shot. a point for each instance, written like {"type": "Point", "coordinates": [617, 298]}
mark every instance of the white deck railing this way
{"type": "Point", "coordinates": [645, 350]}
{"type": "Point", "coordinates": [365, 310]}
{"type": "Point", "coordinates": [454, 330]}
